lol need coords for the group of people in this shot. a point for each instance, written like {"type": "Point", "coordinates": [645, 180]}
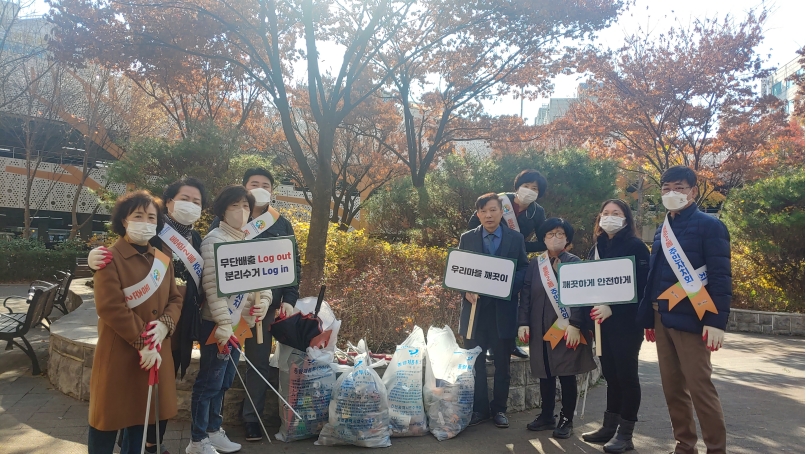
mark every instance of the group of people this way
{"type": "Point", "coordinates": [156, 294]}
{"type": "Point", "coordinates": [684, 293]}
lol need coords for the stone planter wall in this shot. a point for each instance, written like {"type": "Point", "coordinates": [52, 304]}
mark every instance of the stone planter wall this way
{"type": "Point", "coordinates": [780, 323]}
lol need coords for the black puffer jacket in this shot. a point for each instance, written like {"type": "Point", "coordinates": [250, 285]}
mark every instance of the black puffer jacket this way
{"type": "Point", "coordinates": [624, 245]}
{"type": "Point", "coordinates": [529, 221]}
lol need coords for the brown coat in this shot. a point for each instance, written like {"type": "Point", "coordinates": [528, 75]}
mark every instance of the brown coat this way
{"type": "Point", "coordinates": [118, 386]}
{"type": "Point", "coordinates": [536, 312]}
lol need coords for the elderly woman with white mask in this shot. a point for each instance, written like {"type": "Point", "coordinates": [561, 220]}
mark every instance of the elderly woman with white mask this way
{"type": "Point", "coordinates": [216, 371]}
{"type": "Point", "coordinates": [559, 343]}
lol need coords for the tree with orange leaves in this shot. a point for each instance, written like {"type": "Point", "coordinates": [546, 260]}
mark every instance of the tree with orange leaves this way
{"type": "Point", "coordinates": [682, 97]}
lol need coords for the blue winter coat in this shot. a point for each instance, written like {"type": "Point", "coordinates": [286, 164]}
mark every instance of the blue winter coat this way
{"type": "Point", "coordinates": [706, 241]}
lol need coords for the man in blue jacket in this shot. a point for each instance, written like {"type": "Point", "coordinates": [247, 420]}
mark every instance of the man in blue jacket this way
{"type": "Point", "coordinates": [685, 310]}
{"type": "Point", "coordinates": [495, 321]}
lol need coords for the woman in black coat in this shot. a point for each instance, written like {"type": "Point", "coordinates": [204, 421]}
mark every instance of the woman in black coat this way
{"type": "Point", "coordinates": [616, 237]}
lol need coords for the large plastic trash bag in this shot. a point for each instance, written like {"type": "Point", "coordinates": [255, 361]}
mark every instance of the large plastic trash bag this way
{"type": "Point", "coordinates": [359, 410]}
{"type": "Point", "coordinates": [449, 383]}
{"type": "Point", "coordinates": [306, 382]}
{"type": "Point", "coordinates": [404, 383]}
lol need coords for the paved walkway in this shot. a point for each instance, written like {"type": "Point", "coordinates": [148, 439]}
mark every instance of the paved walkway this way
{"type": "Point", "coordinates": [760, 380]}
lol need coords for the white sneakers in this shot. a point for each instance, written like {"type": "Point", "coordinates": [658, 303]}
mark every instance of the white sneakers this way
{"type": "Point", "coordinates": [221, 443]}
{"type": "Point", "coordinates": [200, 447]}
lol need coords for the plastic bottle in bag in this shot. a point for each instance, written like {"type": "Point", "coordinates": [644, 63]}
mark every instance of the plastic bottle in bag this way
{"type": "Point", "coordinates": [359, 410]}
{"type": "Point", "coordinates": [449, 384]}
{"type": "Point", "coordinates": [404, 383]}
{"type": "Point", "coordinates": [306, 382]}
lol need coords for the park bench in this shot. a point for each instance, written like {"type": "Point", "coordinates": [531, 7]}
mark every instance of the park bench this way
{"type": "Point", "coordinates": [82, 268]}
{"type": "Point", "coordinates": [64, 289]}
{"type": "Point", "coordinates": [16, 326]}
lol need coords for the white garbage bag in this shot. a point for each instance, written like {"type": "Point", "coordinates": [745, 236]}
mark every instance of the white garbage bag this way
{"type": "Point", "coordinates": [359, 410]}
{"type": "Point", "coordinates": [404, 383]}
{"type": "Point", "coordinates": [449, 383]}
{"type": "Point", "coordinates": [306, 382]}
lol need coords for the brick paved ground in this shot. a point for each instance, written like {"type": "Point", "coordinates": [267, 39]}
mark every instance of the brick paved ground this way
{"type": "Point", "coordinates": [760, 380]}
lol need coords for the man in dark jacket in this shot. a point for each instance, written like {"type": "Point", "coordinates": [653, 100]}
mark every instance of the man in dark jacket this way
{"type": "Point", "coordinates": [260, 181]}
{"type": "Point", "coordinates": [685, 310]}
{"type": "Point", "coordinates": [495, 320]}
{"type": "Point", "coordinates": [526, 217]}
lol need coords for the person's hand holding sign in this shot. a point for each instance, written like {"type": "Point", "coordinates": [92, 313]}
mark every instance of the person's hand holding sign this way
{"type": "Point", "coordinates": [523, 334]}
{"type": "Point", "coordinates": [572, 336]}
{"type": "Point", "coordinates": [472, 297]}
{"type": "Point", "coordinates": [601, 313]}
{"type": "Point", "coordinates": [712, 337]}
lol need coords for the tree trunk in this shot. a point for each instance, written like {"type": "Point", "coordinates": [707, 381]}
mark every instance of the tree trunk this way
{"type": "Point", "coordinates": [322, 192]}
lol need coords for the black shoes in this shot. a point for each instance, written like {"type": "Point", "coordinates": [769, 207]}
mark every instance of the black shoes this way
{"type": "Point", "coordinates": [565, 427]}
{"type": "Point", "coordinates": [519, 352]}
{"type": "Point", "coordinates": [606, 432]}
{"type": "Point", "coordinates": [500, 420]}
{"type": "Point", "coordinates": [623, 440]}
{"type": "Point", "coordinates": [542, 422]}
{"type": "Point", "coordinates": [253, 432]}
{"type": "Point", "coordinates": [478, 418]}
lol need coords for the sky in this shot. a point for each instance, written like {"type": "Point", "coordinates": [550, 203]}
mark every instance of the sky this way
{"type": "Point", "coordinates": [784, 34]}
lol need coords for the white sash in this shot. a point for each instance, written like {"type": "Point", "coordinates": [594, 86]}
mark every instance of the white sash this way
{"type": "Point", "coordinates": [141, 291]}
{"type": "Point", "coordinates": [552, 289]}
{"type": "Point", "coordinates": [185, 251]}
{"type": "Point", "coordinates": [509, 213]}
{"type": "Point", "coordinates": [692, 281]}
{"type": "Point", "coordinates": [702, 271]}
{"type": "Point", "coordinates": [235, 306]}
{"type": "Point", "coordinates": [259, 225]}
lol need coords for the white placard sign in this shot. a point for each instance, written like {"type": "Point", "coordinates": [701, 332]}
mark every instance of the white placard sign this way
{"type": "Point", "coordinates": [609, 281]}
{"type": "Point", "coordinates": [479, 273]}
{"type": "Point", "coordinates": [248, 266]}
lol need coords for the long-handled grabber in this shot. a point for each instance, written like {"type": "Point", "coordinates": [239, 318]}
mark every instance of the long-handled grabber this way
{"type": "Point", "coordinates": [153, 378]}
{"type": "Point", "coordinates": [243, 382]}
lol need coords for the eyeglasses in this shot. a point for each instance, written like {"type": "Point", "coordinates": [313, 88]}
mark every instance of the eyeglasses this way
{"type": "Point", "coordinates": [555, 235]}
{"type": "Point", "coordinates": [677, 189]}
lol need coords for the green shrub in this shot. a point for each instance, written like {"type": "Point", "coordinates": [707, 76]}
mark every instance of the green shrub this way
{"type": "Point", "coordinates": [766, 223]}
{"type": "Point", "coordinates": [32, 264]}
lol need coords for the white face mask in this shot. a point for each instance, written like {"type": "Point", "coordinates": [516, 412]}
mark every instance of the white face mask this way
{"type": "Point", "coordinates": [141, 232]}
{"type": "Point", "coordinates": [262, 197]}
{"type": "Point", "coordinates": [236, 218]}
{"type": "Point", "coordinates": [526, 195]}
{"type": "Point", "coordinates": [185, 213]}
{"type": "Point", "coordinates": [674, 201]}
{"type": "Point", "coordinates": [556, 244]}
{"type": "Point", "coordinates": [611, 224]}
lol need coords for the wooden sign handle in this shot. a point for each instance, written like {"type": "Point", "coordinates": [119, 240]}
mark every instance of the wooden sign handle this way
{"type": "Point", "coordinates": [597, 330]}
{"type": "Point", "coordinates": [471, 320]}
{"type": "Point", "coordinates": [259, 323]}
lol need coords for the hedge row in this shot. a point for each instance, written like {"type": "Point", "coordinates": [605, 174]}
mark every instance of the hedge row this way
{"type": "Point", "coordinates": [21, 266]}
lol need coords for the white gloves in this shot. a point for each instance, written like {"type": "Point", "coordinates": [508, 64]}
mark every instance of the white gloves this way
{"type": "Point", "coordinates": [222, 334]}
{"type": "Point", "coordinates": [600, 313]}
{"type": "Point", "coordinates": [98, 258]}
{"type": "Point", "coordinates": [712, 337]}
{"type": "Point", "coordinates": [259, 309]}
{"type": "Point", "coordinates": [287, 310]}
{"type": "Point", "coordinates": [523, 334]}
{"type": "Point", "coordinates": [571, 336]}
{"type": "Point", "coordinates": [157, 332]}
{"type": "Point", "coordinates": [472, 297]}
{"type": "Point", "coordinates": [150, 357]}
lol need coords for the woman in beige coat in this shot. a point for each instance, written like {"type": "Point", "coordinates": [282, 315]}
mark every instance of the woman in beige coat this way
{"type": "Point", "coordinates": [138, 307]}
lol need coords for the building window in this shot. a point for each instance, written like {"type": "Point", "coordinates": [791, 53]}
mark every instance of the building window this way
{"type": "Point", "coordinates": [776, 89]}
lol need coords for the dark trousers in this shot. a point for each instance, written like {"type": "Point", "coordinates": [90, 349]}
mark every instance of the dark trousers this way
{"type": "Point", "coordinates": [216, 373]}
{"type": "Point", "coordinates": [103, 441]}
{"type": "Point", "coordinates": [486, 336]}
{"type": "Point", "coordinates": [620, 368]}
{"type": "Point", "coordinates": [258, 354]}
{"type": "Point", "coordinates": [548, 390]}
